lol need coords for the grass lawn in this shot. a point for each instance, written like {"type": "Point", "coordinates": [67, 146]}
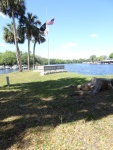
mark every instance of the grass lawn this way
{"type": "Point", "coordinates": [46, 113]}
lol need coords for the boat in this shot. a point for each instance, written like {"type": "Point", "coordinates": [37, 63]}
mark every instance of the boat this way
{"type": "Point", "coordinates": [2, 67]}
{"type": "Point", "coordinates": [15, 67]}
{"type": "Point", "coordinates": [7, 67]}
{"type": "Point", "coordinates": [24, 66]}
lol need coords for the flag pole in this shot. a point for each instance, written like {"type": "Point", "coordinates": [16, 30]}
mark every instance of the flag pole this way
{"type": "Point", "coordinates": [48, 41]}
{"type": "Point", "coordinates": [48, 51]}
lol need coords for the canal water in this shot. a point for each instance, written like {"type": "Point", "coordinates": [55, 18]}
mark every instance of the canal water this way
{"type": "Point", "coordinates": [90, 69]}
{"type": "Point", "coordinates": [86, 69]}
{"type": "Point", "coordinates": [5, 71]}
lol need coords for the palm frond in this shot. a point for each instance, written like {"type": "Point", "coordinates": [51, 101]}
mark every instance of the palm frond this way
{"type": "Point", "coordinates": [17, 6]}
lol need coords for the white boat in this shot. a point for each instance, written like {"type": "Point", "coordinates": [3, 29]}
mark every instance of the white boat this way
{"type": "Point", "coordinates": [15, 67]}
{"type": "Point", "coordinates": [24, 66]}
{"type": "Point", "coordinates": [7, 67]}
{"type": "Point", "coordinates": [2, 67]}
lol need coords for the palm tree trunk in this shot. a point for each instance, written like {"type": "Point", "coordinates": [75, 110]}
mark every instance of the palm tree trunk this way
{"type": "Point", "coordinates": [16, 43]}
{"type": "Point", "coordinates": [28, 54]}
{"type": "Point", "coordinates": [34, 56]}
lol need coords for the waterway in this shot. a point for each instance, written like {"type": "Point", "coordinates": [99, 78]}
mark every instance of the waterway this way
{"type": "Point", "coordinates": [6, 71]}
{"type": "Point", "coordinates": [90, 69]}
{"type": "Point", "coordinates": [86, 69]}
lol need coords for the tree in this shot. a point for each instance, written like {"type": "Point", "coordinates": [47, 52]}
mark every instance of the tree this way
{"type": "Point", "coordinates": [24, 57]}
{"type": "Point", "coordinates": [9, 58]}
{"type": "Point", "coordinates": [28, 24]}
{"type": "Point", "coordinates": [1, 59]}
{"type": "Point", "coordinates": [80, 60]}
{"type": "Point", "coordinates": [93, 58]}
{"type": "Point", "coordinates": [38, 38]}
{"type": "Point", "coordinates": [111, 56]}
{"type": "Point", "coordinates": [100, 58]}
{"type": "Point", "coordinates": [9, 36]}
{"type": "Point", "coordinates": [14, 9]}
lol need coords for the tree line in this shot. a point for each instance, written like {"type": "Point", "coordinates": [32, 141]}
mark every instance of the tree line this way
{"type": "Point", "coordinates": [9, 58]}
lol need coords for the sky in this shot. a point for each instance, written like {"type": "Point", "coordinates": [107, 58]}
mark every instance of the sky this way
{"type": "Point", "coordinates": [81, 28]}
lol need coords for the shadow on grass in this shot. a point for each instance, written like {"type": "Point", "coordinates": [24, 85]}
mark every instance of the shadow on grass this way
{"type": "Point", "coordinates": [47, 104]}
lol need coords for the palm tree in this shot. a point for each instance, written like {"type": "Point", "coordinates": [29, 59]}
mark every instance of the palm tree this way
{"type": "Point", "coordinates": [14, 9]}
{"type": "Point", "coordinates": [28, 24]}
{"type": "Point", "coordinates": [38, 38]}
{"type": "Point", "coordinates": [9, 35]}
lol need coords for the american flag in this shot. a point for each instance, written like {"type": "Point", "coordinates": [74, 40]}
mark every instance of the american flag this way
{"type": "Point", "coordinates": [50, 22]}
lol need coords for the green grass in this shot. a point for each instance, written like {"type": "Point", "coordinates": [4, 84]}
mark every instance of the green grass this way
{"type": "Point", "coordinates": [46, 113]}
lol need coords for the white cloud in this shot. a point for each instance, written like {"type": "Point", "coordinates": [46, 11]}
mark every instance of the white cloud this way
{"type": "Point", "coordinates": [2, 15]}
{"type": "Point", "coordinates": [93, 35]}
{"type": "Point", "coordinates": [2, 45]}
{"type": "Point", "coordinates": [69, 45]}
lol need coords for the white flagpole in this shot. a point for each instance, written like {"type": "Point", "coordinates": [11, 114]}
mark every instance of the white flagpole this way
{"type": "Point", "coordinates": [48, 51]}
{"type": "Point", "coordinates": [48, 40]}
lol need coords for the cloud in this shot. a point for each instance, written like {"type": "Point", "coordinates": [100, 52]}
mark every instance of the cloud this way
{"type": "Point", "coordinates": [2, 45]}
{"type": "Point", "coordinates": [93, 35]}
{"type": "Point", "coordinates": [2, 15]}
{"type": "Point", "coordinates": [68, 45]}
